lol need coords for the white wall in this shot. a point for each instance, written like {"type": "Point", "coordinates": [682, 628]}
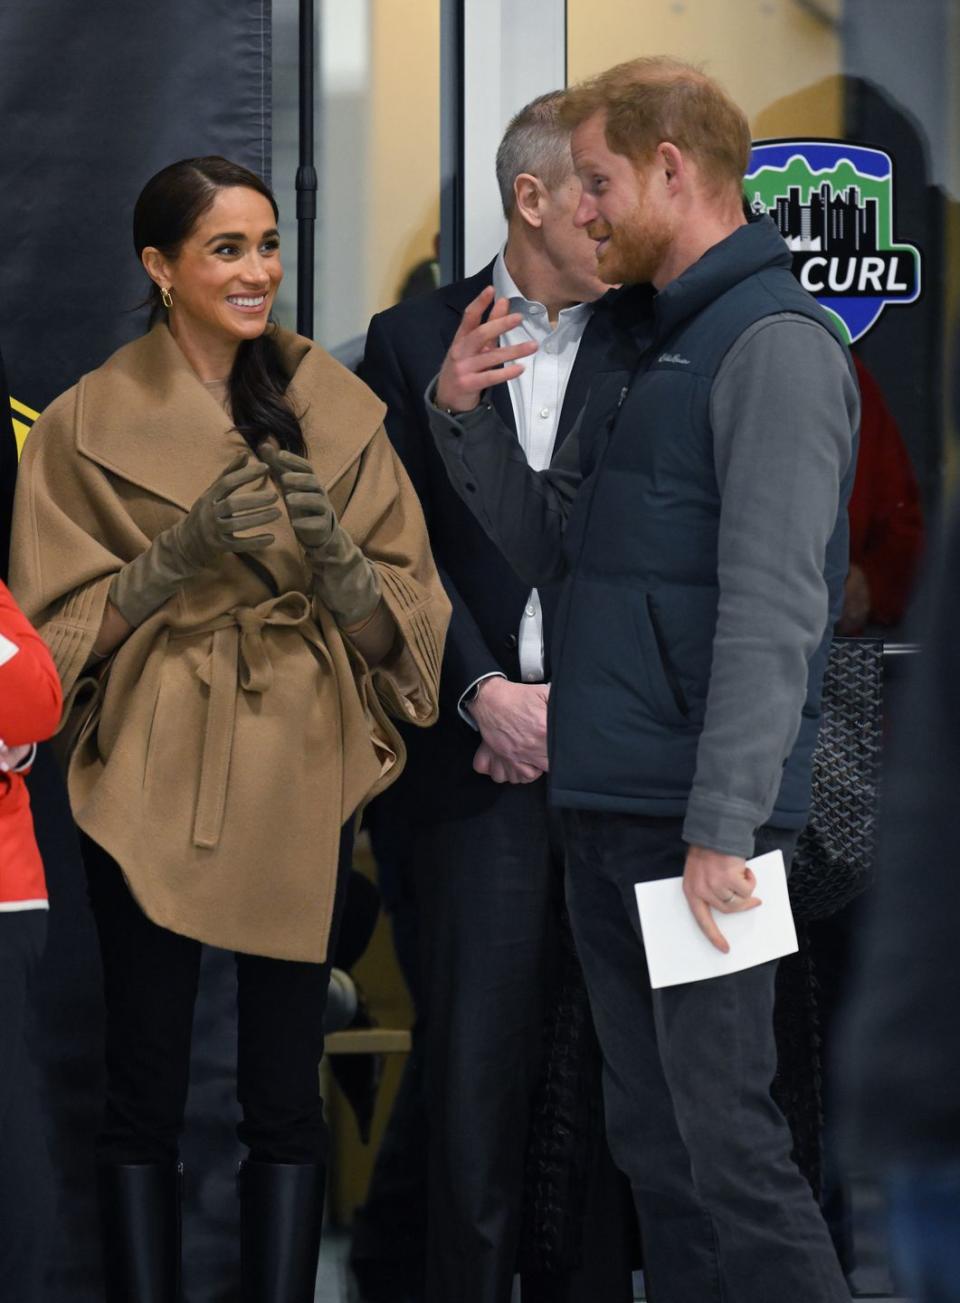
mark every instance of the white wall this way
{"type": "Point", "coordinates": [514, 50]}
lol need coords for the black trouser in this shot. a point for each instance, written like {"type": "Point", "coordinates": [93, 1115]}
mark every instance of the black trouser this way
{"type": "Point", "coordinates": [26, 1195]}
{"type": "Point", "coordinates": [725, 1215]}
{"type": "Point", "coordinates": [150, 980]}
{"type": "Point", "coordinates": [490, 892]}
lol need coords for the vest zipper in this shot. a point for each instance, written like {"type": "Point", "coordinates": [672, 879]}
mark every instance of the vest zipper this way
{"type": "Point", "coordinates": [559, 633]}
{"type": "Point", "coordinates": [573, 573]}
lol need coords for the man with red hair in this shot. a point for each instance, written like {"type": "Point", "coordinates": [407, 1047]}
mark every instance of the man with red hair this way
{"type": "Point", "coordinates": [697, 520]}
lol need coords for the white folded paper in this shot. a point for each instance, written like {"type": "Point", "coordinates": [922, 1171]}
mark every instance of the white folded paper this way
{"type": "Point", "coordinates": [677, 951]}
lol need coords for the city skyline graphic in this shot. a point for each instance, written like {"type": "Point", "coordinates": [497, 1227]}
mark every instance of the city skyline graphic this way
{"type": "Point", "coordinates": [839, 222]}
{"type": "Point", "coordinates": [832, 202]}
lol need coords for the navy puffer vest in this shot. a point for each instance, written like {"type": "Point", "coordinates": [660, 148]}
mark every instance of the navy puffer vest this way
{"type": "Point", "coordinates": [634, 631]}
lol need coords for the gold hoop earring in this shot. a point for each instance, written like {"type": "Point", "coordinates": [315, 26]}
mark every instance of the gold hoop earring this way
{"type": "Point", "coordinates": [166, 297]}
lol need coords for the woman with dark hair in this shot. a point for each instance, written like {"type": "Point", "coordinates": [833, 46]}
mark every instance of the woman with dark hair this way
{"type": "Point", "coordinates": [231, 570]}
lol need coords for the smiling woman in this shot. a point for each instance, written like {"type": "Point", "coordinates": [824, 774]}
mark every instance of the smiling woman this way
{"type": "Point", "coordinates": [232, 633]}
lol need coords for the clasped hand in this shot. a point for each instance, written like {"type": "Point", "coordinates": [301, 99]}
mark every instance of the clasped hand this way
{"type": "Point", "coordinates": [343, 578]}
{"type": "Point", "coordinates": [215, 521]}
{"type": "Point", "coordinates": [512, 719]}
{"type": "Point", "coordinates": [311, 512]}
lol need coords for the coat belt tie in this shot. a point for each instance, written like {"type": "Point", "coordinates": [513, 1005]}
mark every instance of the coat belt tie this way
{"type": "Point", "coordinates": [238, 660]}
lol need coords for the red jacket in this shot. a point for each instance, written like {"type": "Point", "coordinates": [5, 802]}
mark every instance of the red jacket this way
{"type": "Point", "coordinates": [886, 522]}
{"type": "Point", "coordinates": [30, 703]}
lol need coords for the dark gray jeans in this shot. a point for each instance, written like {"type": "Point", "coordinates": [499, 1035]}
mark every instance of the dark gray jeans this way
{"type": "Point", "coordinates": [725, 1215]}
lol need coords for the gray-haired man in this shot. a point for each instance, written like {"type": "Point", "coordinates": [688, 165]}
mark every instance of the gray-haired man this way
{"type": "Point", "coordinates": [488, 866]}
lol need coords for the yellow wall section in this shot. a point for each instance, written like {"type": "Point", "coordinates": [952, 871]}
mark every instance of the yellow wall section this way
{"type": "Point", "coordinates": [23, 419]}
{"type": "Point", "coordinates": [761, 50]}
{"type": "Point", "coordinates": [404, 157]}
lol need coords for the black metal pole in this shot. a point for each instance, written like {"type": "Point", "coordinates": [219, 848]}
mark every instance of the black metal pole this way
{"type": "Point", "coordinates": [306, 175]}
{"type": "Point", "coordinates": [451, 141]}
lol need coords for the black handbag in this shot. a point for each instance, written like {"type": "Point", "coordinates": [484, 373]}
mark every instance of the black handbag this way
{"type": "Point", "coordinates": [566, 1126]}
{"type": "Point", "coordinates": [834, 859]}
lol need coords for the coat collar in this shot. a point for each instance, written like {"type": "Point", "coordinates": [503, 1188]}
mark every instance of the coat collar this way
{"type": "Point", "coordinates": [460, 294]}
{"type": "Point", "coordinates": [145, 416]}
{"type": "Point", "coordinates": [647, 316]}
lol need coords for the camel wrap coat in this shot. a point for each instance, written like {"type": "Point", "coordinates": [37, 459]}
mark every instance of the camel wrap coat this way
{"type": "Point", "coordinates": [218, 751]}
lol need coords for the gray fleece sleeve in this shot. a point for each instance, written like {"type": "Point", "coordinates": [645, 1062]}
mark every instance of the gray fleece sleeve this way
{"type": "Point", "coordinates": [522, 510]}
{"type": "Point", "coordinates": [784, 409]}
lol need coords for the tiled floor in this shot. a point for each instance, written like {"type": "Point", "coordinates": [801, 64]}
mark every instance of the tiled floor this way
{"type": "Point", "coordinates": [333, 1282]}
{"type": "Point", "coordinates": [334, 1285]}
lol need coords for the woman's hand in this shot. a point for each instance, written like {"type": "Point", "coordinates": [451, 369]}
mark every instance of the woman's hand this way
{"type": "Point", "coordinates": [312, 516]}
{"type": "Point", "coordinates": [213, 526]}
{"type": "Point", "coordinates": [220, 515]}
{"type": "Point", "coordinates": [344, 579]}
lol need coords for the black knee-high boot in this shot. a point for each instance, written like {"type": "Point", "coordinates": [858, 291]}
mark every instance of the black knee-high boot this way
{"type": "Point", "coordinates": [140, 1231]}
{"type": "Point", "coordinates": [281, 1213]}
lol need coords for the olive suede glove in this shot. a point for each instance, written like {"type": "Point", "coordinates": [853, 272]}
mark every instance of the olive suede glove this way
{"type": "Point", "coordinates": [211, 527]}
{"type": "Point", "coordinates": [344, 580]}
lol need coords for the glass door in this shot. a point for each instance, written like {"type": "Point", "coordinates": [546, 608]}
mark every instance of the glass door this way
{"type": "Point", "coordinates": [853, 107]}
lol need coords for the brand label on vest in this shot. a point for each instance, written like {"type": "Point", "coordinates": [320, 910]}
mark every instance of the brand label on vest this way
{"type": "Point", "coordinates": [833, 204]}
{"type": "Point", "coordinates": [675, 358]}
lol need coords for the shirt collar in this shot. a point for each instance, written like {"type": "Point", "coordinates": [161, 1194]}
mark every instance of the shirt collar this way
{"type": "Point", "coordinates": [505, 287]}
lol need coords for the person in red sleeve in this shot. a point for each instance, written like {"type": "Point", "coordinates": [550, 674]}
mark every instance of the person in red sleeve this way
{"type": "Point", "coordinates": [886, 521]}
{"type": "Point", "coordinates": [30, 703]}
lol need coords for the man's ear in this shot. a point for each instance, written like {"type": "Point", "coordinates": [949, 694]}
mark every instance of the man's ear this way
{"type": "Point", "coordinates": [529, 192]}
{"type": "Point", "coordinates": [672, 165]}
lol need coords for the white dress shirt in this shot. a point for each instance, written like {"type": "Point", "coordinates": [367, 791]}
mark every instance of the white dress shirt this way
{"type": "Point", "coordinates": [537, 400]}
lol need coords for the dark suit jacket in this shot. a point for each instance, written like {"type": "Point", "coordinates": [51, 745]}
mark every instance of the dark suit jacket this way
{"type": "Point", "coordinates": [405, 348]}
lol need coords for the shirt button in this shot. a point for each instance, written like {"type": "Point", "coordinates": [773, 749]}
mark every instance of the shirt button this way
{"type": "Point", "coordinates": [544, 412]}
{"type": "Point", "coordinates": [530, 677]}
{"type": "Point", "coordinates": [549, 348]}
{"type": "Point", "coordinates": [530, 611]}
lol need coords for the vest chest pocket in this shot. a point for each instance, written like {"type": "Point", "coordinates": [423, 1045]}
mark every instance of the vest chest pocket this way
{"type": "Point", "coordinates": [661, 432]}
